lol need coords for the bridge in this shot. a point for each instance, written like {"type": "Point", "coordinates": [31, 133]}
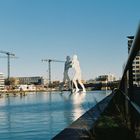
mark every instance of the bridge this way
{"type": "Point", "coordinates": [115, 117]}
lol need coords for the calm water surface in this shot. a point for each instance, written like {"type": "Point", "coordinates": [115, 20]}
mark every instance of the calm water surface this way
{"type": "Point", "coordinates": [39, 116]}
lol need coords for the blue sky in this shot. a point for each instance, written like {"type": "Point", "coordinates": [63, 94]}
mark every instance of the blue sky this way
{"type": "Point", "coordinates": [95, 30]}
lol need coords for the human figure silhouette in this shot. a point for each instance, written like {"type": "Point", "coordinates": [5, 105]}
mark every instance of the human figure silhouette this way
{"type": "Point", "coordinates": [77, 75]}
{"type": "Point", "coordinates": [68, 64]}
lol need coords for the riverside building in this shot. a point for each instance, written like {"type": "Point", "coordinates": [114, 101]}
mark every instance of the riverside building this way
{"type": "Point", "coordinates": [37, 80]}
{"type": "Point", "coordinates": [2, 81]}
{"type": "Point", "coordinates": [106, 78]}
{"type": "Point", "coordinates": [136, 63]}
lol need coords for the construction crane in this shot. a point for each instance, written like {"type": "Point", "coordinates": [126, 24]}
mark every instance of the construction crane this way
{"type": "Point", "coordinates": [49, 66]}
{"type": "Point", "coordinates": [8, 62]}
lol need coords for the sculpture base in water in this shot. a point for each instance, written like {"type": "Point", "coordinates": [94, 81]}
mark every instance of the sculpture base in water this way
{"type": "Point", "coordinates": [78, 91]}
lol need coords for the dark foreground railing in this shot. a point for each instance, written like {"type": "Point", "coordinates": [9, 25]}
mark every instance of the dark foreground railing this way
{"type": "Point", "coordinates": [130, 87]}
{"type": "Point", "coordinates": [118, 115]}
{"type": "Point", "coordinates": [131, 114]}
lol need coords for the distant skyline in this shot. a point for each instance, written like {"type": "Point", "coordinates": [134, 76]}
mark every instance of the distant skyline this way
{"type": "Point", "coordinates": [95, 30]}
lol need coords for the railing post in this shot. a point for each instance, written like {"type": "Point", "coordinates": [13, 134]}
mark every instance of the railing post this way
{"type": "Point", "coordinates": [126, 92]}
{"type": "Point", "coordinates": [130, 84]}
{"type": "Point", "coordinates": [124, 101]}
{"type": "Point", "coordinates": [131, 96]}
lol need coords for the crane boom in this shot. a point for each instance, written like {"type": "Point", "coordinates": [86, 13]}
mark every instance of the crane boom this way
{"type": "Point", "coordinates": [10, 57]}
{"type": "Point", "coordinates": [7, 53]}
{"type": "Point", "coordinates": [49, 66]}
{"type": "Point", "coordinates": [52, 60]}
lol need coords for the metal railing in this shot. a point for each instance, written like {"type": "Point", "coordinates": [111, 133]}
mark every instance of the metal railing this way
{"type": "Point", "coordinates": [130, 90]}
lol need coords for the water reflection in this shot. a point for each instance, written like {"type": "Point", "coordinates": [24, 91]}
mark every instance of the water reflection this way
{"type": "Point", "coordinates": [2, 102]}
{"type": "Point", "coordinates": [66, 97]}
{"type": "Point", "coordinates": [74, 107]}
{"type": "Point", "coordinates": [78, 99]}
{"type": "Point", "coordinates": [108, 92]}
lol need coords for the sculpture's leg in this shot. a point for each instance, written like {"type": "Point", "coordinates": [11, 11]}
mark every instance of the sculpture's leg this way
{"type": "Point", "coordinates": [61, 86]}
{"type": "Point", "coordinates": [69, 82]}
{"type": "Point", "coordinates": [69, 85]}
{"type": "Point", "coordinates": [81, 84]}
{"type": "Point", "coordinates": [64, 80]}
{"type": "Point", "coordinates": [75, 84]}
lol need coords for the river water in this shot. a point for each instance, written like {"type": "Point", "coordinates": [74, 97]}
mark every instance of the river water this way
{"type": "Point", "coordinates": [40, 116]}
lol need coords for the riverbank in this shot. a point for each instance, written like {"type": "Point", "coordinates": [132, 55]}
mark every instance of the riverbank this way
{"type": "Point", "coordinates": [29, 90]}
